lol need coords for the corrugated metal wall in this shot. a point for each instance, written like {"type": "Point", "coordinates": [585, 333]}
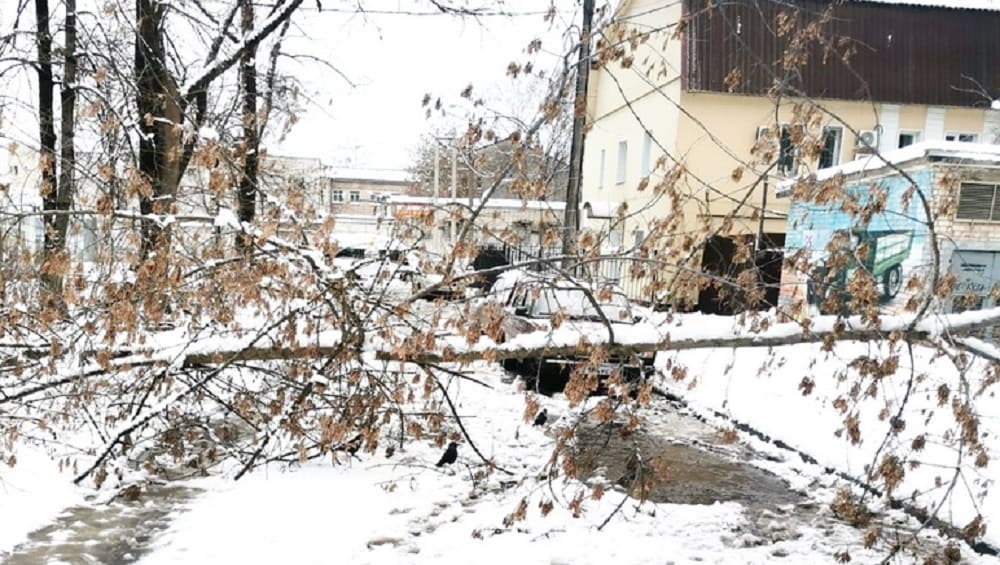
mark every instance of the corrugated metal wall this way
{"type": "Point", "coordinates": [902, 54]}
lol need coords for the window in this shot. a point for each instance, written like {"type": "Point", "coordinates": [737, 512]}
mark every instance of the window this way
{"type": "Point", "coordinates": [622, 161]}
{"type": "Point", "coordinates": [89, 228]}
{"type": "Point", "coordinates": [963, 137]}
{"type": "Point", "coordinates": [640, 236]}
{"type": "Point", "coordinates": [647, 149]}
{"type": "Point", "coordinates": [337, 195]}
{"type": "Point", "coordinates": [978, 202]}
{"type": "Point", "coordinates": [787, 153]}
{"type": "Point", "coordinates": [615, 239]}
{"type": "Point", "coordinates": [600, 175]}
{"type": "Point", "coordinates": [355, 195]}
{"type": "Point", "coordinates": [907, 138]}
{"type": "Point", "coordinates": [830, 155]}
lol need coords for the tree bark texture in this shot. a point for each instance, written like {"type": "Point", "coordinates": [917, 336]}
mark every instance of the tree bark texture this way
{"type": "Point", "coordinates": [67, 128]}
{"type": "Point", "coordinates": [247, 197]}
{"type": "Point", "coordinates": [50, 279]}
{"type": "Point", "coordinates": [160, 144]}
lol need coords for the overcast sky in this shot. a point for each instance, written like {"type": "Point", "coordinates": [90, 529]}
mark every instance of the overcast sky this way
{"type": "Point", "coordinates": [393, 61]}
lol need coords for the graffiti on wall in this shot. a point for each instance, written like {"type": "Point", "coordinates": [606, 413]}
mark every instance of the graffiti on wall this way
{"type": "Point", "coordinates": [890, 247]}
{"type": "Point", "coordinates": [880, 253]}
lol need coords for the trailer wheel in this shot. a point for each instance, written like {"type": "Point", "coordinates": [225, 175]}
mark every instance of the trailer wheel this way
{"type": "Point", "coordinates": [892, 281]}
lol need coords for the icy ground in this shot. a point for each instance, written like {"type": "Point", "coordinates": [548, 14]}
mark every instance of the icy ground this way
{"type": "Point", "coordinates": [401, 509]}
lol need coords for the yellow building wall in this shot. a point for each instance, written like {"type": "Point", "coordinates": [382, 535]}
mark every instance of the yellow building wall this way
{"type": "Point", "coordinates": [716, 136]}
{"type": "Point", "coordinates": [964, 120]}
{"type": "Point", "coordinates": [650, 82]}
{"type": "Point", "coordinates": [913, 118]}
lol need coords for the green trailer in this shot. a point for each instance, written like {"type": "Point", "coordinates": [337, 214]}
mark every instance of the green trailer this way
{"type": "Point", "coordinates": [886, 251]}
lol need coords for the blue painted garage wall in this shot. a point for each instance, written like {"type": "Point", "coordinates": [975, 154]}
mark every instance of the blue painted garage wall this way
{"type": "Point", "coordinates": [902, 225]}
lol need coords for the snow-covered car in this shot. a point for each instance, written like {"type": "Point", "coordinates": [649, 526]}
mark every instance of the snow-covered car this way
{"type": "Point", "coordinates": [539, 305]}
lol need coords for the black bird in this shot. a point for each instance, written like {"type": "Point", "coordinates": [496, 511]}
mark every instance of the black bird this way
{"type": "Point", "coordinates": [542, 417]}
{"type": "Point", "coordinates": [450, 455]}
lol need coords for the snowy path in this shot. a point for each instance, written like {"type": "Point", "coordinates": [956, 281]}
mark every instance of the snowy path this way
{"type": "Point", "coordinates": [114, 533]}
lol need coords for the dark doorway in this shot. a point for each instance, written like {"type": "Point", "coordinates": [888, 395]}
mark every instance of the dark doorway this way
{"type": "Point", "coordinates": [721, 296]}
{"type": "Point", "coordinates": [488, 258]}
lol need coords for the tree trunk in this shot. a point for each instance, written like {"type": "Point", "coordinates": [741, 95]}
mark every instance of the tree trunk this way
{"type": "Point", "coordinates": [51, 278]}
{"type": "Point", "coordinates": [160, 146]}
{"type": "Point", "coordinates": [247, 198]}
{"type": "Point", "coordinates": [67, 127]}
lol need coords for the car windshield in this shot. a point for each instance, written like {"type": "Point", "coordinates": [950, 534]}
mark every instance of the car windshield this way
{"type": "Point", "coordinates": [575, 304]}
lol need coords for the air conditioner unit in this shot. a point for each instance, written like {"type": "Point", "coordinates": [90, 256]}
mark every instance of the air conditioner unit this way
{"type": "Point", "coordinates": [867, 138]}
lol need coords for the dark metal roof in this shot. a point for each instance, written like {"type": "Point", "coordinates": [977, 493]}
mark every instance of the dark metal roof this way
{"type": "Point", "coordinates": [988, 5]}
{"type": "Point", "coordinates": [866, 50]}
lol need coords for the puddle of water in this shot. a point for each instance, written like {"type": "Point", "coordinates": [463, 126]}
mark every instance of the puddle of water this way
{"type": "Point", "coordinates": [109, 534]}
{"type": "Point", "coordinates": [695, 476]}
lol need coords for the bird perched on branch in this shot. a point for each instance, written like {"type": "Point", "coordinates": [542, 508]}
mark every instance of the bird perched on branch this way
{"type": "Point", "coordinates": [542, 417]}
{"type": "Point", "coordinates": [450, 455]}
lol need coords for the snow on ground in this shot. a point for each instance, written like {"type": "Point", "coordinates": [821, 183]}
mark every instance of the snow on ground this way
{"type": "Point", "coordinates": [402, 509]}
{"type": "Point", "coordinates": [763, 392]}
{"type": "Point", "coordinates": [32, 492]}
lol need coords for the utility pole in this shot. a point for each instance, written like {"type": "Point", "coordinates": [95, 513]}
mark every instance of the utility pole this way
{"type": "Point", "coordinates": [454, 185]}
{"type": "Point", "coordinates": [571, 219]}
{"type": "Point", "coordinates": [437, 171]}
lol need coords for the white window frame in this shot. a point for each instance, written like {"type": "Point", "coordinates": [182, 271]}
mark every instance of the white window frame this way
{"type": "Point", "coordinates": [336, 195]}
{"type": "Point", "coordinates": [354, 196]}
{"type": "Point", "coordinates": [647, 150]}
{"type": "Point", "coordinates": [917, 136]}
{"type": "Point", "coordinates": [639, 236]}
{"type": "Point", "coordinates": [621, 169]}
{"type": "Point", "coordinates": [954, 135]}
{"type": "Point", "coordinates": [615, 238]}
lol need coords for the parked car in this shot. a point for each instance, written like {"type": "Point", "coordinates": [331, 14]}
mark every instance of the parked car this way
{"type": "Point", "coordinates": [538, 304]}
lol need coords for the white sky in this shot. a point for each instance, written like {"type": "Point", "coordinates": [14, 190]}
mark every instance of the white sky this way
{"type": "Point", "coordinates": [394, 60]}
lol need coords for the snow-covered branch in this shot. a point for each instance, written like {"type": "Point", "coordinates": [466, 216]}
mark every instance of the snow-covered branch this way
{"type": "Point", "coordinates": [644, 338]}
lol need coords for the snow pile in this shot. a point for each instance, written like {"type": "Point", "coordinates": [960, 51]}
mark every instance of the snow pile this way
{"type": "Point", "coordinates": [31, 493]}
{"type": "Point", "coordinates": [225, 218]}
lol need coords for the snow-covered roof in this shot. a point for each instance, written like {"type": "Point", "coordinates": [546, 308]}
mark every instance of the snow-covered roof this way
{"type": "Point", "coordinates": [952, 150]}
{"type": "Point", "coordinates": [373, 175]}
{"type": "Point", "coordinates": [510, 203]}
{"type": "Point", "coordinates": [952, 4]}
{"type": "Point", "coordinates": [601, 208]}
